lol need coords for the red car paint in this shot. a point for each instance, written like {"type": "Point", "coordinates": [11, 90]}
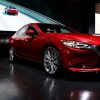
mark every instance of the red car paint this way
{"type": "Point", "coordinates": [11, 10]}
{"type": "Point", "coordinates": [74, 59]}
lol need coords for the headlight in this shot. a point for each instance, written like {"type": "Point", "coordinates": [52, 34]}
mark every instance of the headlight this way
{"type": "Point", "coordinates": [76, 44]}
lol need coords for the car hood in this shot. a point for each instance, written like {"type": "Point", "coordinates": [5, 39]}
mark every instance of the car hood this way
{"type": "Point", "coordinates": [86, 38]}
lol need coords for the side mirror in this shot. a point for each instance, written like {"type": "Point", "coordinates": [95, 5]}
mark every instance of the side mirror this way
{"type": "Point", "coordinates": [30, 32]}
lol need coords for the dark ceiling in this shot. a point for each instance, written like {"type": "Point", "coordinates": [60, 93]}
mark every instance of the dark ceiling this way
{"type": "Point", "coordinates": [97, 1]}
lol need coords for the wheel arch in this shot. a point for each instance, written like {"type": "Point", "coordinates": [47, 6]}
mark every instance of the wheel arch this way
{"type": "Point", "coordinates": [9, 45]}
{"type": "Point", "coordinates": [50, 45]}
{"type": "Point", "coordinates": [57, 48]}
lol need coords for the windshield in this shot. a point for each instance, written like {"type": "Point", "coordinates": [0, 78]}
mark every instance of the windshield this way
{"type": "Point", "coordinates": [50, 28]}
{"type": "Point", "coordinates": [11, 7]}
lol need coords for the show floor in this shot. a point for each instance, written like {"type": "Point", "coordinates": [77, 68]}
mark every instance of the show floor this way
{"type": "Point", "coordinates": [25, 80]}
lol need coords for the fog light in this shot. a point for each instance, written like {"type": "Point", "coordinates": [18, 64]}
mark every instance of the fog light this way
{"type": "Point", "coordinates": [84, 66]}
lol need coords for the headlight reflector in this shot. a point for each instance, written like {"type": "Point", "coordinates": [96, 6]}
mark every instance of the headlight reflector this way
{"type": "Point", "coordinates": [76, 44]}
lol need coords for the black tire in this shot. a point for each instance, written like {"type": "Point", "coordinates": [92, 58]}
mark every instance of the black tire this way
{"type": "Point", "coordinates": [51, 61]}
{"type": "Point", "coordinates": [12, 56]}
{"type": "Point", "coordinates": [5, 12]}
{"type": "Point", "coordinates": [16, 14]}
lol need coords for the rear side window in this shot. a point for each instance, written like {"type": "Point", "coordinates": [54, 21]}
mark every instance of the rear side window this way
{"type": "Point", "coordinates": [22, 31]}
{"type": "Point", "coordinates": [64, 30]}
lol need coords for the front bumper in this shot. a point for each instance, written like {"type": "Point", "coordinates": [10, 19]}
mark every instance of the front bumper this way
{"type": "Point", "coordinates": [84, 69]}
{"type": "Point", "coordinates": [81, 60]}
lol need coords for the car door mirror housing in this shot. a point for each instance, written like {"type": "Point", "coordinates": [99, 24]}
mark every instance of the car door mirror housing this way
{"type": "Point", "coordinates": [30, 32]}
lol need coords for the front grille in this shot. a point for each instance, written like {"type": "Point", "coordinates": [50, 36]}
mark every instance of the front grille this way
{"type": "Point", "coordinates": [96, 49]}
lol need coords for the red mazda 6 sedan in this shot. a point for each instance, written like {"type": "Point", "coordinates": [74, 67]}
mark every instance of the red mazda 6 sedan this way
{"type": "Point", "coordinates": [56, 47]}
{"type": "Point", "coordinates": [11, 10]}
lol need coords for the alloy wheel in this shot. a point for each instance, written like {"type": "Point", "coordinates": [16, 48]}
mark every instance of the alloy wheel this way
{"type": "Point", "coordinates": [11, 55]}
{"type": "Point", "coordinates": [51, 60]}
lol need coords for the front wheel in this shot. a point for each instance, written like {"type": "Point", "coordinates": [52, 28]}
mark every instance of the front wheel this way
{"type": "Point", "coordinates": [11, 55]}
{"type": "Point", "coordinates": [51, 61]}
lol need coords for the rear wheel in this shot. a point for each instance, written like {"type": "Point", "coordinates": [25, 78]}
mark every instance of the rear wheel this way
{"type": "Point", "coordinates": [16, 14]}
{"type": "Point", "coordinates": [51, 61]}
{"type": "Point", "coordinates": [5, 12]}
{"type": "Point", "coordinates": [11, 55]}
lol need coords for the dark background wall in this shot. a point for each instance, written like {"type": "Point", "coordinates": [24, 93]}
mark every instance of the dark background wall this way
{"type": "Point", "coordinates": [78, 14]}
{"type": "Point", "coordinates": [97, 1]}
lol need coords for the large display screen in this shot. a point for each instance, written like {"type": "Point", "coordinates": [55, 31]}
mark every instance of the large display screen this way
{"type": "Point", "coordinates": [10, 21]}
{"type": "Point", "coordinates": [73, 13]}
{"type": "Point", "coordinates": [97, 18]}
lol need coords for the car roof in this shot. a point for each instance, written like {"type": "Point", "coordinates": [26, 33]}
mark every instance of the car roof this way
{"type": "Point", "coordinates": [55, 25]}
{"type": "Point", "coordinates": [42, 24]}
{"type": "Point", "coordinates": [46, 24]}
